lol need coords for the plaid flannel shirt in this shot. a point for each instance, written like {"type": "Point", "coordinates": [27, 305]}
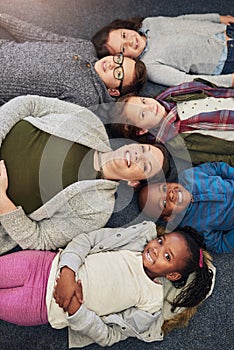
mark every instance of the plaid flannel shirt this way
{"type": "Point", "coordinates": [171, 125]}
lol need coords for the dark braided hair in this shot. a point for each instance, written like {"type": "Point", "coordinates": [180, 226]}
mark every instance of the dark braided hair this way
{"type": "Point", "coordinates": [100, 38]}
{"type": "Point", "coordinates": [199, 287]}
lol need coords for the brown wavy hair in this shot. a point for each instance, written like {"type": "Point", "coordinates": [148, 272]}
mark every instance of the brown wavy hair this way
{"type": "Point", "coordinates": [100, 38]}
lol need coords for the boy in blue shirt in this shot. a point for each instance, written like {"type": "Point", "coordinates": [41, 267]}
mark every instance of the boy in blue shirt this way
{"type": "Point", "coordinates": [203, 199]}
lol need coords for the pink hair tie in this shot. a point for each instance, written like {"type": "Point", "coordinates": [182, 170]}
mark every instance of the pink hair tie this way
{"type": "Point", "coordinates": [201, 259]}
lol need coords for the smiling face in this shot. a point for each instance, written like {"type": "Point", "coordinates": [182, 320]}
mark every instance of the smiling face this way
{"type": "Point", "coordinates": [105, 69]}
{"type": "Point", "coordinates": [144, 112]}
{"type": "Point", "coordinates": [130, 42]}
{"type": "Point", "coordinates": [132, 162]}
{"type": "Point", "coordinates": [166, 256]}
{"type": "Point", "coordinates": [164, 200]}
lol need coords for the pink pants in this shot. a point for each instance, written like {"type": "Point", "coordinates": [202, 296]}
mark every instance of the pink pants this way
{"type": "Point", "coordinates": [23, 282]}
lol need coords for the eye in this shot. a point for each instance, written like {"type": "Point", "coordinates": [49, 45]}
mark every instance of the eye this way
{"type": "Point", "coordinates": [167, 256]}
{"type": "Point", "coordinates": [122, 49]}
{"type": "Point", "coordinates": [143, 149]}
{"type": "Point", "coordinates": [145, 167]}
{"type": "Point", "coordinates": [160, 241]}
{"type": "Point", "coordinates": [118, 73]}
{"type": "Point", "coordinates": [164, 188]}
{"type": "Point", "coordinates": [143, 115]}
{"type": "Point", "coordinates": [164, 204]}
{"type": "Point", "coordinates": [124, 35]}
{"type": "Point", "coordinates": [143, 100]}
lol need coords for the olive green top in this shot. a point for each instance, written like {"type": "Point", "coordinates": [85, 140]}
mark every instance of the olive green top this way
{"type": "Point", "coordinates": [40, 165]}
{"type": "Point", "coordinates": [199, 148]}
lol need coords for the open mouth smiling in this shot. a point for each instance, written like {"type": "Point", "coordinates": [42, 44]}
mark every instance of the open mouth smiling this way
{"type": "Point", "coordinates": [104, 66]}
{"type": "Point", "coordinates": [128, 158]}
{"type": "Point", "coordinates": [148, 257]}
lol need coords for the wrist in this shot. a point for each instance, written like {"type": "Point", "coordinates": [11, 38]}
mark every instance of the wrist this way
{"type": "Point", "coordinates": [6, 205]}
{"type": "Point", "coordinates": [65, 270]}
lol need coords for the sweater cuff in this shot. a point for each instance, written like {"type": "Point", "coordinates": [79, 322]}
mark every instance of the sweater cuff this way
{"type": "Point", "coordinates": [12, 215]}
{"type": "Point", "coordinates": [79, 320]}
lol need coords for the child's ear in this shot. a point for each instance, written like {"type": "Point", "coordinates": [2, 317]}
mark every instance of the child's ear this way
{"type": "Point", "coordinates": [133, 184]}
{"type": "Point", "coordinates": [113, 92]}
{"type": "Point", "coordinates": [173, 276]}
{"type": "Point", "coordinates": [142, 132]}
{"type": "Point", "coordinates": [168, 218]}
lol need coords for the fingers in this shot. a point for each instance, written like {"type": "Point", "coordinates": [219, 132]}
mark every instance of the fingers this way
{"type": "Point", "coordinates": [2, 168]}
{"type": "Point", "coordinates": [79, 292]}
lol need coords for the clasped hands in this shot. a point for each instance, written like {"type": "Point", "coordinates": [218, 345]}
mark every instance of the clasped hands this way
{"type": "Point", "coordinates": [67, 292]}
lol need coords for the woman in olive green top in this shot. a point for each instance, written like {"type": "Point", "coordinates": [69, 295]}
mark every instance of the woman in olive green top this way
{"type": "Point", "coordinates": [57, 145]}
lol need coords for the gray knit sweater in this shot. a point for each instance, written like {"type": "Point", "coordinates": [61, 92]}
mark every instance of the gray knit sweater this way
{"type": "Point", "coordinates": [47, 64]}
{"type": "Point", "coordinates": [80, 207]}
{"type": "Point", "coordinates": [183, 48]}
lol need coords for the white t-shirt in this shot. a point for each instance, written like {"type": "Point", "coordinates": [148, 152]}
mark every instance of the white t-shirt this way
{"type": "Point", "coordinates": [189, 108]}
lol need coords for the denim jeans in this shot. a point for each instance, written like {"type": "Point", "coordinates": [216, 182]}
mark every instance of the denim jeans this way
{"type": "Point", "coordinates": [229, 64]}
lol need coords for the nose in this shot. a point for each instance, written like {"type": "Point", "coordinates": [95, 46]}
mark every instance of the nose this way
{"type": "Point", "coordinates": [128, 42]}
{"type": "Point", "coordinates": [136, 156]}
{"type": "Point", "coordinates": [112, 65]}
{"type": "Point", "coordinates": [170, 194]}
{"type": "Point", "coordinates": [151, 107]}
{"type": "Point", "coordinates": [156, 250]}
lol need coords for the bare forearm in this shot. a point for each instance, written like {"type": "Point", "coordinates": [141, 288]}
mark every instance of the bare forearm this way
{"type": "Point", "coordinates": [6, 205]}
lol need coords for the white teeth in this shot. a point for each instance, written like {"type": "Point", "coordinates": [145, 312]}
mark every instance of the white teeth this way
{"type": "Point", "coordinates": [180, 197]}
{"type": "Point", "coordinates": [128, 158]}
{"type": "Point", "coordinates": [149, 257]}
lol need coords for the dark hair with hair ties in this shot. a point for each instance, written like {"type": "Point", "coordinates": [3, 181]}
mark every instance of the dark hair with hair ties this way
{"type": "Point", "coordinates": [100, 38]}
{"type": "Point", "coordinates": [199, 260]}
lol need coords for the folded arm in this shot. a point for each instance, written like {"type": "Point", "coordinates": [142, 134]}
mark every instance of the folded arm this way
{"type": "Point", "coordinates": [220, 241]}
{"type": "Point", "coordinates": [166, 75]}
{"type": "Point", "coordinates": [69, 213]}
{"type": "Point", "coordinates": [23, 31]}
{"type": "Point", "coordinates": [224, 170]}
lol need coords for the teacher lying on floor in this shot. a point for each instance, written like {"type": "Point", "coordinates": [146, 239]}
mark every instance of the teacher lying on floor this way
{"type": "Point", "coordinates": [62, 172]}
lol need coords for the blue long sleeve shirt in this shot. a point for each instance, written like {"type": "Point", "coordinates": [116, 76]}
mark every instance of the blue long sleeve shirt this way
{"type": "Point", "coordinates": [212, 210]}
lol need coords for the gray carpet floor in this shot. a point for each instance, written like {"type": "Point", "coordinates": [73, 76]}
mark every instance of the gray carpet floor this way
{"type": "Point", "coordinates": [213, 325]}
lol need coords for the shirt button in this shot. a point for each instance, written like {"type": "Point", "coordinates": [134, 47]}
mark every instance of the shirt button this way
{"type": "Point", "coordinates": [75, 57]}
{"type": "Point", "coordinates": [88, 65]}
{"type": "Point", "coordinates": [118, 235]}
{"type": "Point", "coordinates": [101, 247]}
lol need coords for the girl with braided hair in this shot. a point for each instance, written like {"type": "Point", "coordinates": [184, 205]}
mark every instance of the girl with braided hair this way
{"type": "Point", "coordinates": [109, 284]}
{"type": "Point", "coordinates": [201, 281]}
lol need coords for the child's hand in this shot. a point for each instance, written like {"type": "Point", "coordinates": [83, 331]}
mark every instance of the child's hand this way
{"type": "Point", "coordinates": [65, 288]}
{"type": "Point", "coordinates": [79, 292]}
{"type": "Point", "coordinates": [73, 306]}
{"type": "Point", "coordinates": [227, 19]}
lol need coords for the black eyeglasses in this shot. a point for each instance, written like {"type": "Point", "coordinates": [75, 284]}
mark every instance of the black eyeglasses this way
{"type": "Point", "coordinates": [118, 72]}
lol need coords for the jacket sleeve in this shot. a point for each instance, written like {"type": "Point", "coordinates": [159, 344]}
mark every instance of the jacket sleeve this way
{"type": "Point", "coordinates": [106, 331]}
{"type": "Point", "coordinates": [220, 241]}
{"type": "Point", "coordinates": [32, 106]}
{"type": "Point", "coordinates": [133, 238]}
{"type": "Point", "coordinates": [225, 171]}
{"type": "Point", "coordinates": [23, 31]}
{"type": "Point", "coordinates": [166, 75]}
{"type": "Point", "coordinates": [81, 207]}
{"type": "Point", "coordinates": [210, 17]}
